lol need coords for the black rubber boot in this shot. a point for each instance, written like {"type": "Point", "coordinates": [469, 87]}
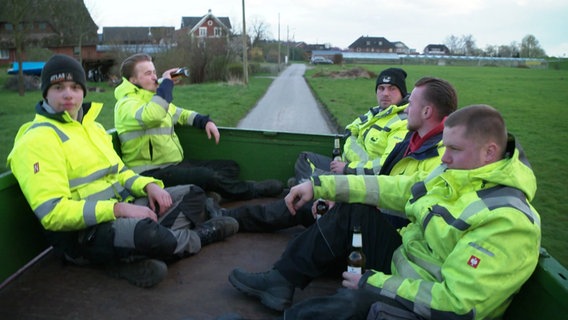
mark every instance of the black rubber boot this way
{"type": "Point", "coordinates": [273, 290]}
{"type": "Point", "coordinates": [145, 273]}
{"type": "Point", "coordinates": [216, 229]}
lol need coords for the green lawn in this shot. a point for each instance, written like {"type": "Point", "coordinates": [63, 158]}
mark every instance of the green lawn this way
{"type": "Point", "coordinates": [532, 102]}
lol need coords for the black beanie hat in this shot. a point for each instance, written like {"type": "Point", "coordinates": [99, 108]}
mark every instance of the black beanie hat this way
{"type": "Point", "coordinates": [394, 76]}
{"type": "Point", "coordinates": [61, 68]}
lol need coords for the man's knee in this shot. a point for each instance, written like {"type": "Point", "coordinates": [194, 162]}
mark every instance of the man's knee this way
{"type": "Point", "coordinates": [152, 239]}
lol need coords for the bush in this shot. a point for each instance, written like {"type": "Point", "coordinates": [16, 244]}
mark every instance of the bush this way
{"type": "Point", "coordinates": [235, 70]}
{"type": "Point", "coordinates": [31, 83]}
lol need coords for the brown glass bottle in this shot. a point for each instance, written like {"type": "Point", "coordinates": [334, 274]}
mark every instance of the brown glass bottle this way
{"type": "Point", "coordinates": [321, 208]}
{"type": "Point", "coordinates": [336, 152]}
{"type": "Point", "coordinates": [356, 259]}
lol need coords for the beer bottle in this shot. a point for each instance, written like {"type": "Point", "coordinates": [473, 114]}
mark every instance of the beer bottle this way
{"type": "Point", "coordinates": [321, 208]}
{"type": "Point", "coordinates": [356, 259]}
{"type": "Point", "coordinates": [336, 152]}
{"type": "Point", "coordinates": [180, 72]}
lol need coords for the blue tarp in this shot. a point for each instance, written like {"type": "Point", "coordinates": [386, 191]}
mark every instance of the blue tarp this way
{"type": "Point", "coordinates": [30, 68]}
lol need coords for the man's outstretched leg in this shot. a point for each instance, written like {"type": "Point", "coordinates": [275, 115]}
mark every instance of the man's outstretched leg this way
{"type": "Point", "coordinates": [318, 249]}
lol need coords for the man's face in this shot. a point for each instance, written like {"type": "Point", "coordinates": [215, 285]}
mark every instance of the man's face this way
{"type": "Point", "coordinates": [462, 153]}
{"type": "Point", "coordinates": [145, 76]}
{"type": "Point", "coordinates": [387, 95]}
{"type": "Point", "coordinates": [65, 96]}
{"type": "Point", "coordinates": [414, 110]}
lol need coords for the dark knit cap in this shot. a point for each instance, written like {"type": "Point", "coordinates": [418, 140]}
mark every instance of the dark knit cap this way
{"type": "Point", "coordinates": [61, 68]}
{"type": "Point", "coordinates": [393, 76]}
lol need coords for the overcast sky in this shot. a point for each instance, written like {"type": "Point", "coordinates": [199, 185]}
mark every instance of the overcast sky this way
{"type": "Point", "coordinates": [417, 23]}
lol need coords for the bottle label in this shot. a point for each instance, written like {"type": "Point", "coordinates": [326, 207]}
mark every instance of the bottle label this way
{"type": "Point", "coordinates": [356, 270]}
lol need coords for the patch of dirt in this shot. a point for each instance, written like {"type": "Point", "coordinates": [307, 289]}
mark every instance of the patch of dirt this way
{"type": "Point", "coordinates": [353, 73]}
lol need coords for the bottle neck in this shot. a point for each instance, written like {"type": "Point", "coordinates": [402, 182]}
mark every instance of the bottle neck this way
{"type": "Point", "coordinates": [357, 241]}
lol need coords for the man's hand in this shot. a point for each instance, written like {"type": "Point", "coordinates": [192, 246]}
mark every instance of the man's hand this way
{"type": "Point", "coordinates": [330, 204]}
{"type": "Point", "coordinates": [351, 280]}
{"type": "Point", "coordinates": [337, 166]}
{"type": "Point", "coordinates": [298, 196]}
{"type": "Point", "coordinates": [212, 130]}
{"type": "Point", "coordinates": [129, 210]}
{"type": "Point", "coordinates": [158, 198]}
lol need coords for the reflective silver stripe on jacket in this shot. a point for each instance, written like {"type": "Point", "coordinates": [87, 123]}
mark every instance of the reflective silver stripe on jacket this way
{"type": "Point", "coordinates": [45, 208]}
{"type": "Point", "coordinates": [115, 191]}
{"type": "Point", "coordinates": [130, 135]}
{"type": "Point", "coordinates": [89, 215]}
{"type": "Point", "coordinates": [73, 183]}
{"type": "Point", "coordinates": [60, 133]}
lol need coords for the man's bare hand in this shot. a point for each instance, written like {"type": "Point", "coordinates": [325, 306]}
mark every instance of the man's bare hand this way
{"type": "Point", "coordinates": [212, 131]}
{"type": "Point", "coordinates": [129, 210]}
{"type": "Point", "coordinates": [298, 196]}
{"type": "Point", "coordinates": [159, 199]}
{"type": "Point", "coordinates": [351, 280]}
{"type": "Point", "coordinates": [337, 166]}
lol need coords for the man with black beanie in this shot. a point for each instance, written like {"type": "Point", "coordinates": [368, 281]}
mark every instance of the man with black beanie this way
{"type": "Point", "coordinates": [369, 138]}
{"type": "Point", "coordinates": [95, 210]}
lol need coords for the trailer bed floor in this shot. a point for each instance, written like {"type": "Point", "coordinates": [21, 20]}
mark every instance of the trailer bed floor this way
{"type": "Point", "coordinates": [195, 288]}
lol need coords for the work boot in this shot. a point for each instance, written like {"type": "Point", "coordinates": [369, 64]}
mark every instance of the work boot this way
{"type": "Point", "coordinates": [268, 188]}
{"type": "Point", "coordinates": [216, 229]}
{"type": "Point", "coordinates": [271, 287]}
{"type": "Point", "coordinates": [213, 208]}
{"type": "Point", "coordinates": [145, 273]}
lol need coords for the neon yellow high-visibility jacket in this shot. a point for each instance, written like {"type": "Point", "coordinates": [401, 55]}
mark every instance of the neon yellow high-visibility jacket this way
{"type": "Point", "coordinates": [69, 172]}
{"type": "Point", "coordinates": [371, 137]}
{"type": "Point", "coordinates": [473, 239]}
{"type": "Point", "coordinates": [421, 161]}
{"type": "Point", "coordinates": [145, 123]}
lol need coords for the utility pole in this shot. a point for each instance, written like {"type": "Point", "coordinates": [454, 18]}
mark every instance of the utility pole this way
{"type": "Point", "coordinates": [279, 41]}
{"type": "Point", "coordinates": [287, 44]}
{"type": "Point", "coordinates": [245, 58]}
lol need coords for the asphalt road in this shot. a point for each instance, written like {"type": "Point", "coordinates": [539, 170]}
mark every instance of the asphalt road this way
{"type": "Point", "coordinates": [289, 106]}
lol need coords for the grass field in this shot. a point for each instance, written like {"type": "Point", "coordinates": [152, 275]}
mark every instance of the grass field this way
{"type": "Point", "coordinates": [533, 103]}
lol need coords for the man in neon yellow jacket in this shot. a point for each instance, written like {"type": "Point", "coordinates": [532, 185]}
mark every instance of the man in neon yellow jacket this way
{"type": "Point", "coordinates": [370, 137]}
{"type": "Point", "coordinates": [473, 239]}
{"type": "Point", "coordinates": [92, 207]}
{"type": "Point", "coordinates": [144, 117]}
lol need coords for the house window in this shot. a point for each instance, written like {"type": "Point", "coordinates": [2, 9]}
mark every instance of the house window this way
{"type": "Point", "coordinates": [42, 26]}
{"type": "Point", "coordinates": [9, 26]}
{"type": "Point", "coordinates": [210, 22]}
{"type": "Point", "coordinates": [203, 32]}
{"type": "Point", "coordinates": [217, 31]}
{"type": "Point", "coordinates": [368, 42]}
{"type": "Point", "coordinates": [77, 51]}
{"type": "Point", "coordinates": [4, 54]}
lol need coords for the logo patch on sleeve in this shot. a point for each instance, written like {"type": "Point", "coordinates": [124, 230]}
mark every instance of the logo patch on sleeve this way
{"type": "Point", "coordinates": [473, 261]}
{"type": "Point", "coordinates": [36, 167]}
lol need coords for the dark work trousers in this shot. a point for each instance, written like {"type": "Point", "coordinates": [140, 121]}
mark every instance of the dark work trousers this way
{"type": "Point", "coordinates": [270, 217]}
{"type": "Point", "coordinates": [220, 176]}
{"type": "Point", "coordinates": [309, 164]}
{"type": "Point", "coordinates": [360, 304]}
{"type": "Point", "coordinates": [327, 243]}
{"type": "Point", "coordinates": [128, 239]}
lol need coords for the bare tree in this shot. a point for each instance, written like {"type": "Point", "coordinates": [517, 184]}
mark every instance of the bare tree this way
{"type": "Point", "coordinates": [72, 13]}
{"type": "Point", "coordinates": [258, 30]}
{"type": "Point", "coordinates": [18, 13]}
{"type": "Point", "coordinates": [453, 43]}
{"type": "Point", "coordinates": [469, 44]}
{"type": "Point", "coordinates": [530, 48]}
